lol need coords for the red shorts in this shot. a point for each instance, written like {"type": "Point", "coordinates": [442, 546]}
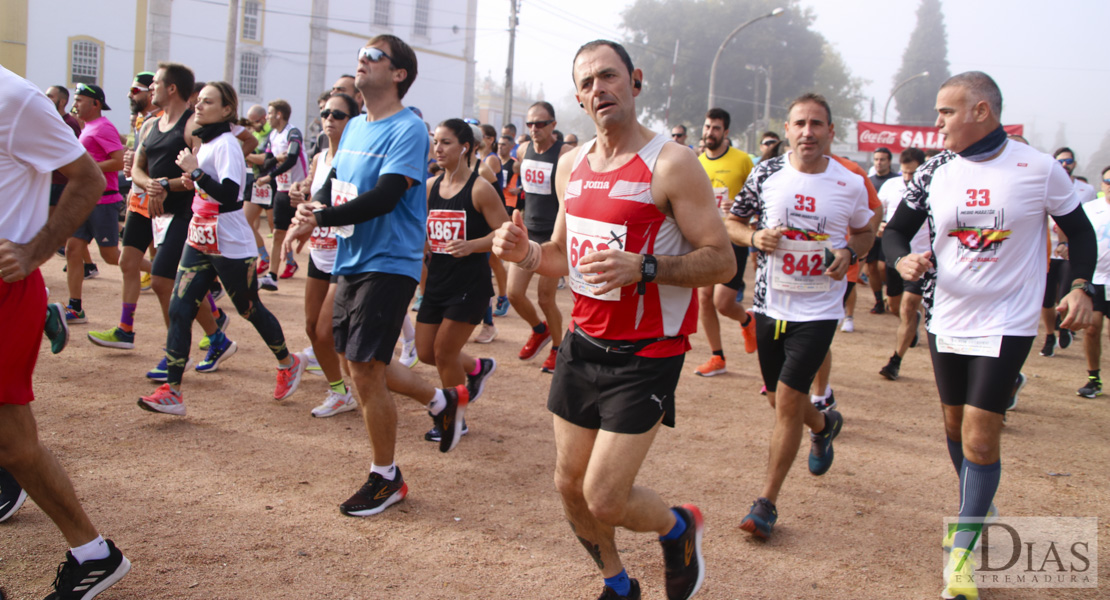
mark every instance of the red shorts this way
{"type": "Point", "coordinates": [22, 316]}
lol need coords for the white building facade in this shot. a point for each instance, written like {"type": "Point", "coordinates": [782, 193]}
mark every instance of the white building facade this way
{"type": "Point", "coordinates": [288, 49]}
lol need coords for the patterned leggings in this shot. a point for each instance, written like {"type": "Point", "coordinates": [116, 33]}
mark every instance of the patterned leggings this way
{"type": "Point", "coordinates": [195, 275]}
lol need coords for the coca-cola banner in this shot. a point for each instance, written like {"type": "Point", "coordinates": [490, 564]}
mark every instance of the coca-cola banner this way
{"type": "Point", "coordinates": [899, 137]}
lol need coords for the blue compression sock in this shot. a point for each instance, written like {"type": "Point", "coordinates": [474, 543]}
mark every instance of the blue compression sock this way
{"type": "Point", "coordinates": [678, 529]}
{"type": "Point", "coordinates": [979, 483]}
{"type": "Point", "coordinates": [619, 583]}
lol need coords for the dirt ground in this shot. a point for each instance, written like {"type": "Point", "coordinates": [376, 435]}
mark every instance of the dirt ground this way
{"type": "Point", "coordinates": [239, 499]}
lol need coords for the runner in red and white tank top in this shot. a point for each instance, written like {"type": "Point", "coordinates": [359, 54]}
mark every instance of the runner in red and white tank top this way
{"type": "Point", "coordinates": [637, 231]}
{"type": "Point", "coordinates": [616, 210]}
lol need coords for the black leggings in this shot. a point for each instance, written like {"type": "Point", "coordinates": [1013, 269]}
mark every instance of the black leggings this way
{"type": "Point", "coordinates": [194, 276]}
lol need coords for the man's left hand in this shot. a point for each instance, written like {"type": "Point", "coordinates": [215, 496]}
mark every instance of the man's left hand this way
{"type": "Point", "coordinates": [15, 263]}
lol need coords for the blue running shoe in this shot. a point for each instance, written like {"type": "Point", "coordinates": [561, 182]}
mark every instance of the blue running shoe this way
{"type": "Point", "coordinates": [217, 353]}
{"type": "Point", "coordinates": [158, 373]}
{"type": "Point", "coordinates": [821, 448]}
{"type": "Point", "coordinates": [502, 307]}
{"type": "Point", "coordinates": [761, 519]}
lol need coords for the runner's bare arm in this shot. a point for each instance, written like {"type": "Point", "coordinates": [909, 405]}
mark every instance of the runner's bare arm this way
{"type": "Point", "coordinates": [248, 141]}
{"type": "Point", "coordinates": [86, 183]}
{"type": "Point", "coordinates": [511, 239]}
{"type": "Point", "coordinates": [860, 241]}
{"type": "Point", "coordinates": [114, 162]}
{"type": "Point", "coordinates": [520, 152]}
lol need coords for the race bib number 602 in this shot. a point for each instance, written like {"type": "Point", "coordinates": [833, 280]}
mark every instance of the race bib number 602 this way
{"type": "Point", "coordinates": [585, 236]}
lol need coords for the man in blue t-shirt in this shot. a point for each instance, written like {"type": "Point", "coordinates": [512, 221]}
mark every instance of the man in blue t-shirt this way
{"type": "Point", "coordinates": [375, 200]}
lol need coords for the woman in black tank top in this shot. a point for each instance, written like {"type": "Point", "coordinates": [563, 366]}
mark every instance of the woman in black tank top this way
{"type": "Point", "coordinates": [463, 211]}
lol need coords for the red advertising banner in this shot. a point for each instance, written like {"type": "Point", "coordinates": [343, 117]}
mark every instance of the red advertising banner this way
{"type": "Point", "coordinates": [897, 138]}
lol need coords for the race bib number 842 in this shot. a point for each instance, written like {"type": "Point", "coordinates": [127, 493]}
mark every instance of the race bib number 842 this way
{"type": "Point", "coordinates": [799, 266]}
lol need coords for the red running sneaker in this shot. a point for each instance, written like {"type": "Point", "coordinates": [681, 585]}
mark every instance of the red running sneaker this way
{"type": "Point", "coordinates": [549, 364]}
{"type": "Point", "coordinates": [289, 378]}
{"type": "Point", "coordinates": [535, 343]}
{"type": "Point", "coordinates": [290, 269]}
{"type": "Point", "coordinates": [263, 267]}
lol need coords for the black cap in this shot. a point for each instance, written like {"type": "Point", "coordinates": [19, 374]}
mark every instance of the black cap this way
{"type": "Point", "coordinates": [144, 79]}
{"type": "Point", "coordinates": [92, 91]}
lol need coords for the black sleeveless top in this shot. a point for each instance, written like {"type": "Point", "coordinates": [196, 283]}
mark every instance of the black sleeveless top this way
{"type": "Point", "coordinates": [540, 210]}
{"type": "Point", "coordinates": [162, 148]}
{"type": "Point", "coordinates": [455, 280]}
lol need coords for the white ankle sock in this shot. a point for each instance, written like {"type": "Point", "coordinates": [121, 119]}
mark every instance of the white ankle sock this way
{"type": "Point", "coordinates": [438, 403]}
{"type": "Point", "coordinates": [389, 472]}
{"type": "Point", "coordinates": [94, 550]}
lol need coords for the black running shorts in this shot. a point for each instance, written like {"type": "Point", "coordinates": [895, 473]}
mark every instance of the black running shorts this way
{"type": "Point", "coordinates": [741, 254]}
{"type": "Point", "coordinates": [792, 351]}
{"type": "Point", "coordinates": [895, 285]}
{"type": "Point", "coordinates": [315, 272]}
{"type": "Point", "coordinates": [283, 211]}
{"type": "Point", "coordinates": [540, 236]}
{"type": "Point", "coordinates": [470, 308]}
{"type": "Point", "coordinates": [619, 393]}
{"type": "Point", "coordinates": [1099, 302]}
{"type": "Point", "coordinates": [875, 254]}
{"type": "Point", "coordinates": [980, 381]}
{"type": "Point", "coordinates": [169, 251]}
{"type": "Point", "coordinates": [137, 231]}
{"type": "Point", "coordinates": [101, 226]}
{"type": "Point", "coordinates": [369, 311]}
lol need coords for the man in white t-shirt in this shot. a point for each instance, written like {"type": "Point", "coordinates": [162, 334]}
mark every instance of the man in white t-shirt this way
{"type": "Point", "coordinates": [988, 201]}
{"type": "Point", "coordinates": [1098, 211]}
{"type": "Point", "coordinates": [814, 223]}
{"type": "Point", "coordinates": [36, 143]}
{"type": "Point", "coordinates": [904, 298]}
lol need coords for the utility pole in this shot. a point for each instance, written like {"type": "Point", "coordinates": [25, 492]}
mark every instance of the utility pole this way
{"type": "Point", "coordinates": [767, 100]}
{"type": "Point", "coordinates": [670, 90]}
{"type": "Point", "coordinates": [513, 21]}
{"type": "Point", "coordinates": [229, 47]}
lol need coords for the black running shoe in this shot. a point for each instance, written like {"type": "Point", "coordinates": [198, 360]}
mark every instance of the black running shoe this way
{"type": "Point", "coordinates": [91, 272]}
{"type": "Point", "coordinates": [12, 495]}
{"type": "Point", "coordinates": [476, 384]}
{"type": "Point", "coordinates": [821, 448]}
{"type": "Point", "coordinates": [1049, 346]}
{"type": "Point", "coordinates": [633, 592]}
{"type": "Point", "coordinates": [1065, 338]}
{"type": "Point", "coordinates": [434, 435]}
{"type": "Point", "coordinates": [450, 420]}
{"type": "Point", "coordinates": [1092, 389]}
{"type": "Point", "coordinates": [890, 371]}
{"type": "Point", "coordinates": [1018, 384]}
{"type": "Point", "coordinates": [85, 581]}
{"type": "Point", "coordinates": [684, 566]}
{"type": "Point", "coordinates": [878, 309]}
{"type": "Point", "coordinates": [376, 495]}
{"type": "Point", "coordinates": [760, 520]}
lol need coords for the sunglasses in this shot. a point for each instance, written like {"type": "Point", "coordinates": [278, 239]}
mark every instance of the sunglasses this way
{"type": "Point", "coordinates": [1106, 181]}
{"type": "Point", "coordinates": [769, 142]}
{"type": "Point", "coordinates": [678, 135]}
{"type": "Point", "coordinates": [1066, 161]}
{"type": "Point", "coordinates": [338, 115]}
{"type": "Point", "coordinates": [84, 88]}
{"type": "Point", "coordinates": [374, 55]}
{"type": "Point", "coordinates": [539, 124]}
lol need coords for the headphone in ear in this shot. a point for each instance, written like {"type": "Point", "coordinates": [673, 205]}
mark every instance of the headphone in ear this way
{"type": "Point", "coordinates": [582, 105]}
{"type": "Point", "coordinates": [638, 84]}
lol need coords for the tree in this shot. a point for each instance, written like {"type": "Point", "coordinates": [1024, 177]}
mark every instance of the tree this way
{"type": "Point", "coordinates": [927, 50]}
{"type": "Point", "coordinates": [800, 60]}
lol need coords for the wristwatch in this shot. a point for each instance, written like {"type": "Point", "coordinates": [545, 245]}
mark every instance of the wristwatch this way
{"type": "Point", "coordinates": [165, 183]}
{"type": "Point", "coordinates": [648, 270]}
{"type": "Point", "coordinates": [1087, 287]}
{"type": "Point", "coordinates": [854, 258]}
{"type": "Point", "coordinates": [196, 174]}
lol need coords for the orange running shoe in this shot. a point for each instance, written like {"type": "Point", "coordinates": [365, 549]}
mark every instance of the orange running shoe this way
{"type": "Point", "coordinates": [714, 366]}
{"type": "Point", "coordinates": [749, 334]}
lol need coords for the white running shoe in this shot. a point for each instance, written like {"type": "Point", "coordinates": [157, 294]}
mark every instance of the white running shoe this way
{"type": "Point", "coordinates": [311, 364]}
{"type": "Point", "coordinates": [487, 335]}
{"type": "Point", "coordinates": [408, 354]}
{"type": "Point", "coordinates": [334, 404]}
{"type": "Point", "coordinates": [848, 326]}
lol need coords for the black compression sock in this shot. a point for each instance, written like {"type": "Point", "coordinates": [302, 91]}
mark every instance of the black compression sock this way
{"type": "Point", "coordinates": [720, 353]}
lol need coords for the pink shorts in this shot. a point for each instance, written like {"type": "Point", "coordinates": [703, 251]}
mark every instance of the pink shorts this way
{"type": "Point", "coordinates": [22, 316]}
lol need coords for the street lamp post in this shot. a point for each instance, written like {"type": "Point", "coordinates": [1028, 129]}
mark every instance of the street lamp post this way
{"type": "Point", "coordinates": [767, 101]}
{"type": "Point", "coordinates": [898, 87]}
{"type": "Point", "coordinates": [721, 49]}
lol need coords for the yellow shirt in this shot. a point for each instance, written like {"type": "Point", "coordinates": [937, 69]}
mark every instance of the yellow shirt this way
{"type": "Point", "coordinates": [727, 175]}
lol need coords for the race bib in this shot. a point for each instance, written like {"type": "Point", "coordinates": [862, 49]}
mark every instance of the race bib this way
{"type": "Point", "coordinates": [136, 202]}
{"type": "Point", "coordinates": [445, 226]}
{"type": "Point", "coordinates": [536, 176]}
{"type": "Point", "coordinates": [160, 225]}
{"type": "Point", "coordinates": [284, 181]}
{"type": "Point", "coordinates": [262, 195]}
{"type": "Point", "coordinates": [343, 192]}
{"type": "Point", "coordinates": [323, 238]}
{"type": "Point", "coordinates": [585, 236]}
{"type": "Point", "coordinates": [724, 202]}
{"type": "Point", "coordinates": [987, 345]}
{"type": "Point", "coordinates": [799, 266]}
{"type": "Point", "coordinates": [202, 234]}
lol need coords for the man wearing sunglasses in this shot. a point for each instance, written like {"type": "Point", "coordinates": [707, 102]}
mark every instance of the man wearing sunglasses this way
{"type": "Point", "coordinates": [378, 206]}
{"type": "Point", "coordinates": [538, 166]}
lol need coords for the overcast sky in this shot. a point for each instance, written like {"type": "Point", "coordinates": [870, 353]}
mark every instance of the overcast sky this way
{"type": "Point", "coordinates": [1049, 59]}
